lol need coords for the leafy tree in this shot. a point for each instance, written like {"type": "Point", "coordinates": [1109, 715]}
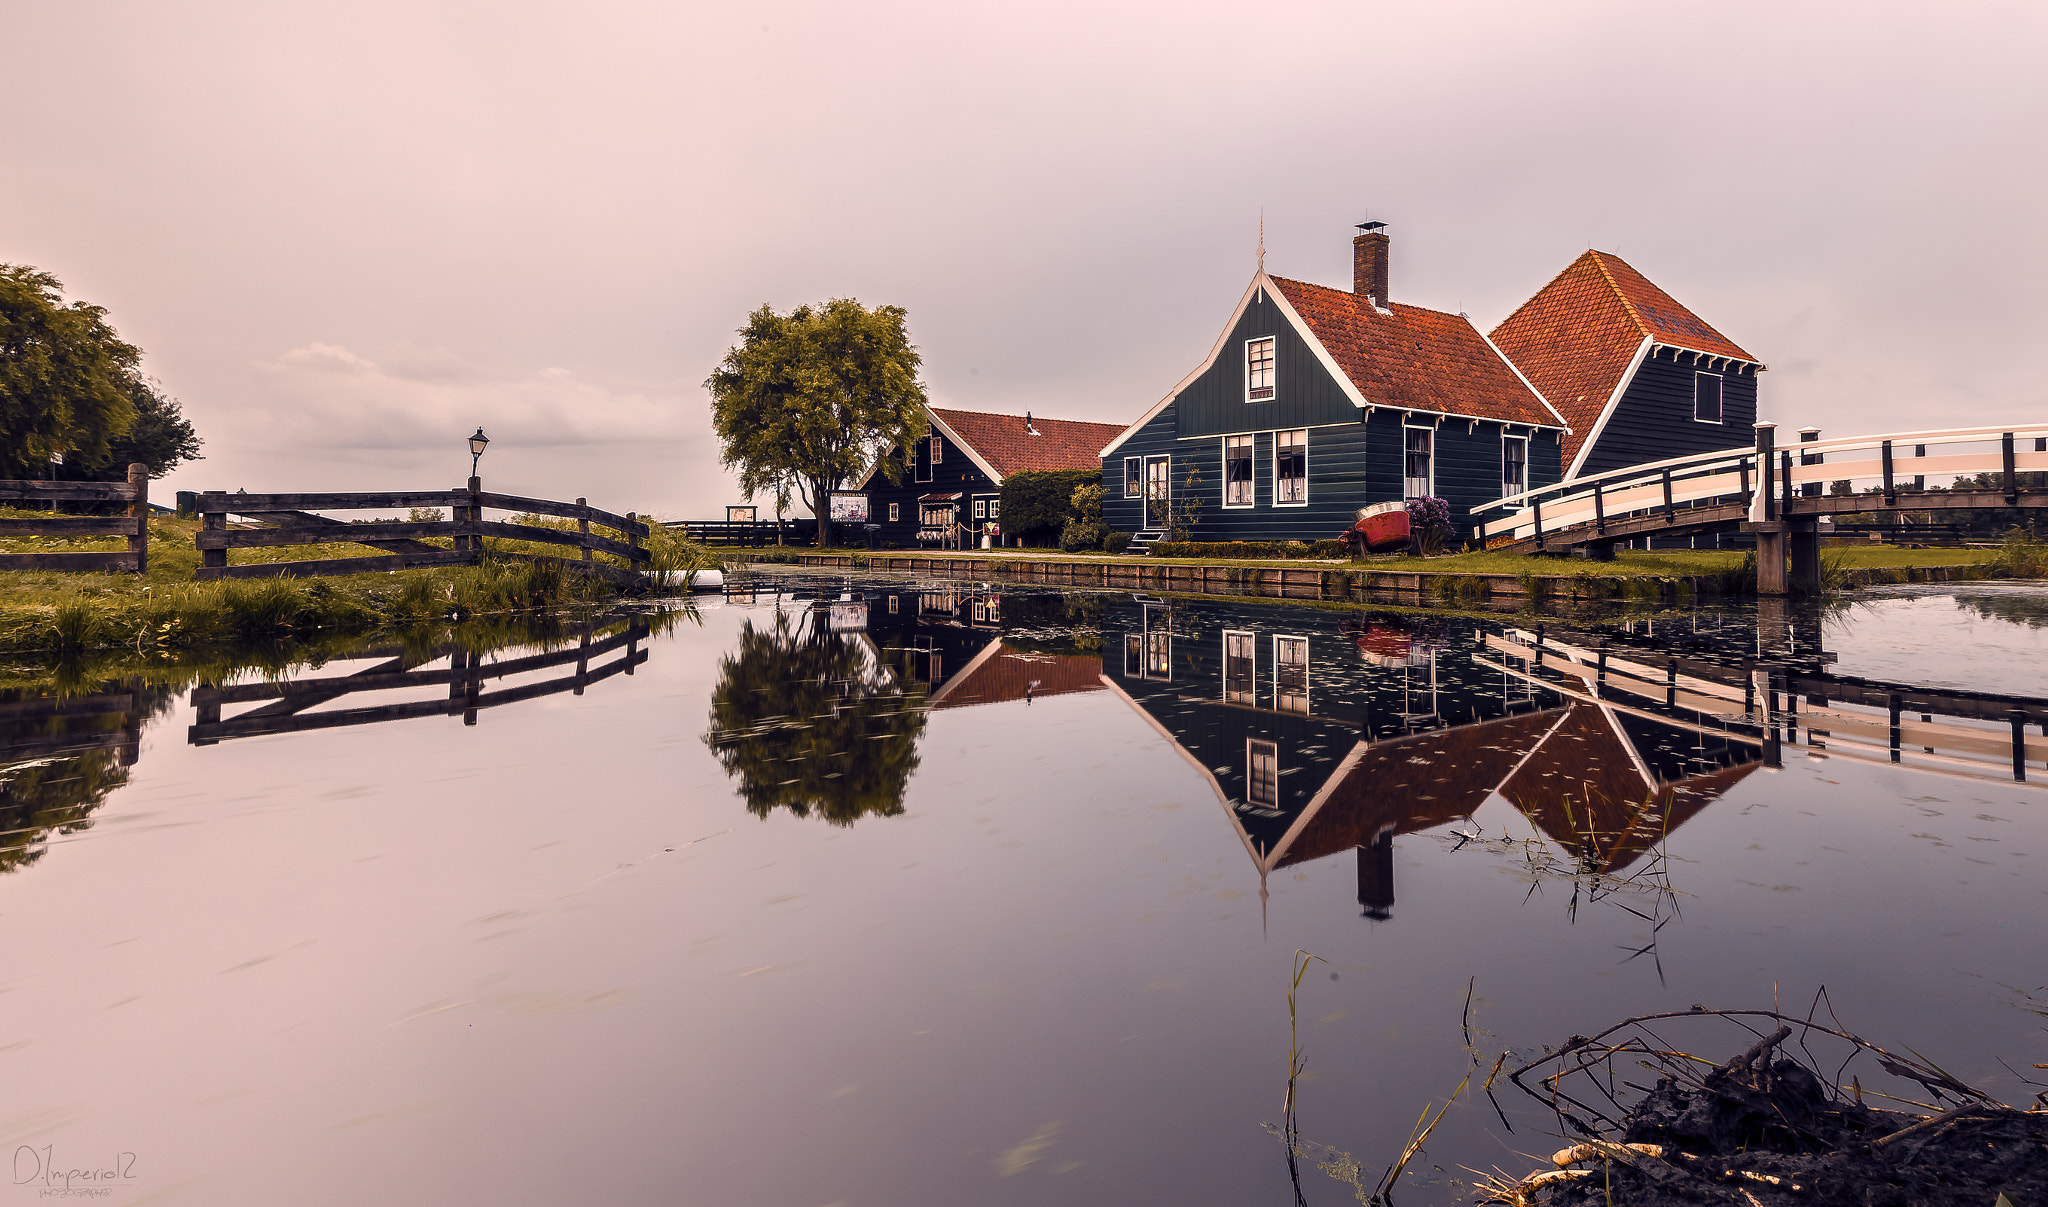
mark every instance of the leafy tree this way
{"type": "Point", "coordinates": [1039, 503]}
{"type": "Point", "coordinates": [1085, 530]}
{"type": "Point", "coordinates": [160, 438]}
{"type": "Point", "coordinates": [64, 376]}
{"type": "Point", "coordinates": [808, 720]}
{"type": "Point", "coordinates": [808, 400]}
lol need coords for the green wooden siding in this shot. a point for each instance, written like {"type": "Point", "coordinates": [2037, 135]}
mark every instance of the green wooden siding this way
{"type": "Point", "coordinates": [1654, 420]}
{"type": "Point", "coordinates": [1304, 392]}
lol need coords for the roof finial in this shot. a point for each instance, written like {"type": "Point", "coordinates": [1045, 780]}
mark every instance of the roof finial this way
{"type": "Point", "coordinates": [1262, 238]}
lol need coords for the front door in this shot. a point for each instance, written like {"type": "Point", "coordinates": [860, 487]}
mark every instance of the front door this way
{"type": "Point", "coordinates": [1158, 488]}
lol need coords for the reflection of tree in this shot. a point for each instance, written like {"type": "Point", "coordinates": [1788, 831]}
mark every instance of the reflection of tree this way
{"type": "Point", "coordinates": [809, 720]}
{"type": "Point", "coordinates": [62, 766]}
{"type": "Point", "coordinates": [2024, 609]}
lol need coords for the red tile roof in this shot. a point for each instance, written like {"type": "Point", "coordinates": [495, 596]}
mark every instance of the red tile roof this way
{"type": "Point", "coordinates": [1002, 441]}
{"type": "Point", "coordinates": [1577, 335]}
{"type": "Point", "coordinates": [1413, 357]}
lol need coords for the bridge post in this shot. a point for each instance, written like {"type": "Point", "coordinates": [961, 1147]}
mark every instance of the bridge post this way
{"type": "Point", "coordinates": [1805, 541]}
{"type": "Point", "coordinates": [1762, 507]}
{"type": "Point", "coordinates": [1770, 557]}
{"type": "Point", "coordinates": [1891, 488]}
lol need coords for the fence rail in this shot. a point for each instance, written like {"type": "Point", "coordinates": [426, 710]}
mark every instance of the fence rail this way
{"type": "Point", "coordinates": [406, 542]}
{"type": "Point", "coordinates": [749, 532]}
{"type": "Point", "coordinates": [1767, 484]}
{"type": "Point", "coordinates": [134, 525]}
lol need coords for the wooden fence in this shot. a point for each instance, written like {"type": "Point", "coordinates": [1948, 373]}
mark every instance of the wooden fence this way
{"type": "Point", "coordinates": [134, 525]}
{"type": "Point", "coordinates": [751, 532]}
{"type": "Point", "coordinates": [284, 706]}
{"type": "Point", "coordinates": [292, 521]}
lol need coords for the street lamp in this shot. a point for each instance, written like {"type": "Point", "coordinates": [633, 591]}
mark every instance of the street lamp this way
{"type": "Point", "coordinates": [476, 449]}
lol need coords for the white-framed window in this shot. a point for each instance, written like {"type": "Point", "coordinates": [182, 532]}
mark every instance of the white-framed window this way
{"type": "Point", "coordinates": [1290, 468]}
{"type": "Point", "coordinates": [1418, 476]}
{"type": "Point", "coordinates": [1258, 369]}
{"type": "Point", "coordinates": [1290, 674]}
{"type": "Point", "coordinates": [1134, 656]}
{"type": "Point", "coordinates": [1514, 465]}
{"type": "Point", "coordinates": [938, 449]}
{"type": "Point", "coordinates": [1134, 477]}
{"type": "Point", "coordinates": [1262, 773]}
{"type": "Point", "coordinates": [1240, 668]}
{"type": "Point", "coordinates": [1158, 488]}
{"type": "Point", "coordinates": [981, 509]}
{"type": "Point", "coordinates": [1706, 397]}
{"type": "Point", "coordinates": [1157, 653]}
{"type": "Point", "coordinates": [993, 506]}
{"type": "Point", "coordinates": [1237, 471]}
{"type": "Point", "coordinates": [892, 601]}
{"type": "Point", "coordinates": [895, 514]}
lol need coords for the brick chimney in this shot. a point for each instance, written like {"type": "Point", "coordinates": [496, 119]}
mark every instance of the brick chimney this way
{"type": "Point", "coordinates": [1369, 261]}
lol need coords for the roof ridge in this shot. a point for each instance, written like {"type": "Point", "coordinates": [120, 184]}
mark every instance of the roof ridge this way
{"type": "Point", "coordinates": [1607, 274]}
{"type": "Point", "coordinates": [1526, 302]}
{"type": "Point", "coordinates": [1361, 298]}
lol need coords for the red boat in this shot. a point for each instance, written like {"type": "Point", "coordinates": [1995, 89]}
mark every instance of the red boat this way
{"type": "Point", "coordinates": [1383, 527]}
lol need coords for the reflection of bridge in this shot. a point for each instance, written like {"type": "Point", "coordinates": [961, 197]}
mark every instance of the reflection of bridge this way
{"type": "Point", "coordinates": [1778, 494]}
{"type": "Point", "coordinates": [286, 704]}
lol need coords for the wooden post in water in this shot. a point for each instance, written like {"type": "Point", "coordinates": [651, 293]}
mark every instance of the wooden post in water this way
{"type": "Point", "coordinates": [138, 477]}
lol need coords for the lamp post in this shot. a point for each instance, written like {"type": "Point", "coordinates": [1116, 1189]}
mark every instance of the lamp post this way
{"type": "Point", "coordinates": [475, 509]}
{"type": "Point", "coordinates": [476, 449]}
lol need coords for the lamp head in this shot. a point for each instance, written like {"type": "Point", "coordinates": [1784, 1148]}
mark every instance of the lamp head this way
{"type": "Point", "coordinates": [477, 443]}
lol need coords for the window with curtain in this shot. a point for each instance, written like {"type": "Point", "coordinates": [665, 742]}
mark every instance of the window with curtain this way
{"type": "Point", "coordinates": [1290, 466]}
{"type": "Point", "coordinates": [1237, 471]}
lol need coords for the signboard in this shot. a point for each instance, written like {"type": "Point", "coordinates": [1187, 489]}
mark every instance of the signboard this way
{"type": "Point", "coordinates": [739, 515]}
{"type": "Point", "coordinates": [848, 617]}
{"type": "Point", "coordinates": [849, 509]}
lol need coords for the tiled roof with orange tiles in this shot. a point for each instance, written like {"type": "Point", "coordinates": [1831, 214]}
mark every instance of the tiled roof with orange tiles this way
{"type": "Point", "coordinates": [1576, 336]}
{"type": "Point", "coordinates": [1003, 442]}
{"type": "Point", "coordinates": [1413, 357]}
{"type": "Point", "coordinates": [1014, 675]}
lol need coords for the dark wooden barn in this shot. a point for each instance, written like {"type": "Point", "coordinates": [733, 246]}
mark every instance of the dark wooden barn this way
{"type": "Point", "coordinates": [1314, 402]}
{"type": "Point", "coordinates": [955, 475]}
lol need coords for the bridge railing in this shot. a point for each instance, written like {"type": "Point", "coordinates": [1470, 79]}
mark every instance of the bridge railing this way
{"type": "Point", "coordinates": [1887, 461]}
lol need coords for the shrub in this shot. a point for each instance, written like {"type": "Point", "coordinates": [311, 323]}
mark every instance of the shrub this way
{"type": "Point", "coordinates": [1249, 549]}
{"type": "Point", "coordinates": [1039, 503]}
{"type": "Point", "coordinates": [1429, 521]}
{"type": "Point", "coordinates": [1116, 542]}
{"type": "Point", "coordinates": [1085, 530]}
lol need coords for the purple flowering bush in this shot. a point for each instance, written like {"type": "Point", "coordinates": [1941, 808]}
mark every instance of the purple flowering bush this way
{"type": "Point", "coordinates": [1429, 523]}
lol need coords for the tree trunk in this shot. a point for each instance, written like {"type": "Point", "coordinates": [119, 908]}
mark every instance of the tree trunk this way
{"type": "Point", "coordinates": [821, 507]}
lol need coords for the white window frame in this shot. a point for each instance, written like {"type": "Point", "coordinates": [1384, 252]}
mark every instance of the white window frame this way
{"type": "Point", "coordinates": [1134, 477]}
{"type": "Point", "coordinates": [1720, 399]}
{"type": "Point", "coordinates": [1430, 490]}
{"type": "Point", "coordinates": [938, 450]}
{"type": "Point", "coordinates": [895, 513]}
{"type": "Point", "coordinates": [1252, 748]}
{"type": "Point", "coordinates": [1165, 491]}
{"type": "Point", "coordinates": [1303, 501]}
{"type": "Point", "coordinates": [1505, 486]}
{"type": "Point", "coordinates": [1251, 476]}
{"type": "Point", "coordinates": [1280, 695]}
{"type": "Point", "coordinates": [1251, 644]}
{"type": "Point", "coordinates": [993, 506]}
{"type": "Point", "coordinates": [1157, 640]}
{"type": "Point", "coordinates": [981, 509]}
{"type": "Point", "coordinates": [1272, 386]}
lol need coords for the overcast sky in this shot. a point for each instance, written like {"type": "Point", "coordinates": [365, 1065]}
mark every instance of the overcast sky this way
{"type": "Point", "coordinates": [346, 235]}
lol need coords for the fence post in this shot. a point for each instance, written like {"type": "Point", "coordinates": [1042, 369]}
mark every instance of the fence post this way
{"type": "Point", "coordinates": [2012, 480]}
{"type": "Point", "coordinates": [633, 539]}
{"type": "Point", "coordinates": [476, 540]}
{"type": "Point", "coordinates": [213, 517]}
{"type": "Point", "coordinates": [583, 533]}
{"type": "Point", "coordinates": [138, 477]}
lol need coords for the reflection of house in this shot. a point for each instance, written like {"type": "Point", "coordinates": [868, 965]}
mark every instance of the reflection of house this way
{"type": "Point", "coordinates": [1318, 741]}
{"type": "Point", "coordinates": [1002, 675]}
{"type": "Point", "coordinates": [955, 475]}
{"type": "Point", "coordinates": [948, 639]}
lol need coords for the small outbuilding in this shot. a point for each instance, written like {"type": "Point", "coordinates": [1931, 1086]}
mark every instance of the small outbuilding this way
{"type": "Point", "coordinates": [953, 478]}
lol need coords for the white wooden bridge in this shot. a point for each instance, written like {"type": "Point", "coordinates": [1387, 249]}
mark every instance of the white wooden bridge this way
{"type": "Point", "coordinates": [1779, 494]}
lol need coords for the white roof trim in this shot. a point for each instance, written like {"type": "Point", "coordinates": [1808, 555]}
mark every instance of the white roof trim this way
{"type": "Point", "coordinates": [1517, 370]}
{"type": "Point", "coordinates": [960, 676]}
{"type": "Point", "coordinates": [938, 425]}
{"type": "Point", "coordinates": [1328, 362]}
{"type": "Point", "coordinates": [1258, 280]}
{"type": "Point", "coordinates": [1733, 360]}
{"type": "Point", "coordinates": [1606, 412]}
{"type": "Point", "coordinates": [1222, 797]}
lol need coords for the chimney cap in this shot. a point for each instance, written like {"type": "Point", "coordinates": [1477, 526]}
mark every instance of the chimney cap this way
{"type": "Point", "coordinates": [1370, 227]}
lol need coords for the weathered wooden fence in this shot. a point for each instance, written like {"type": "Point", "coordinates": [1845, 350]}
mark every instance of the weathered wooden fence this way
{"type": "Point", "coordinates": [285, 706]}
{"type": "Point", "coordinates": [750, 532]}
{"type": "Point", "coordinates": [134, 525]}
{"type": "Point", "coordinates": [291, 521]}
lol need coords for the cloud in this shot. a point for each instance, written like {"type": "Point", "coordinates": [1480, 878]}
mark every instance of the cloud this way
{"type": "Point", "coordinates": [414, 397]}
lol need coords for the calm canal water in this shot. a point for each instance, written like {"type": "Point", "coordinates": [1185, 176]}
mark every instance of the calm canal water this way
{"type": "Point", "coordinates": [880, 892]}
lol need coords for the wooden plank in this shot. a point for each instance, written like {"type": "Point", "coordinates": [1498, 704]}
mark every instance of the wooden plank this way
{"type": "Point", "coordinates": [246, 504]}
{"type": "Point", "coordinates": [67, 706]}
{"type": "Point", "coordinates": [338, 565]}
{"type": "Point", "coordinates": [389, 546]}
{"type": "Point", "coordinates": [567, 511]}
{"type": "Point", "coordinates": [327, 534]}
{"type": "Point", "coordinates": [50, 745]}
{"type": "Point", "coordinates": [70, 492]}
{"type": "Point", "coordinates": [92, 525]}
{"type": "Point", "coordinates": [249, 693]}
{"type": "Point", "coordinates": [122, 561]}
{"type": "Point", "coordinates": [557, 536]}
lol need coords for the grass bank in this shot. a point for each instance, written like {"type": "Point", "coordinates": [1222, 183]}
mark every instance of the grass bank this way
{"type": "Point", "coordinates": [58, 614]}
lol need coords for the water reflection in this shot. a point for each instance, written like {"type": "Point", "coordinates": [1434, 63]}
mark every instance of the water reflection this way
{"type": "Point", "coordinates": [61, 755]}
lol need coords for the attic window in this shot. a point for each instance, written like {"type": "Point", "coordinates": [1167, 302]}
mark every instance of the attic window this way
{"type": "Point", "coordinates": [1258, 369]}
{"type": "Point", "coordinates": [1706, 397]}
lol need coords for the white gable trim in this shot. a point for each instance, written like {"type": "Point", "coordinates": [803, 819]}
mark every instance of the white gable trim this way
{"type": "Point", "coordinates": [1607, 412]}
{"type": "Point", "coordinates": [938, 425]}
{"type": "Point", "coordinates": [1323, 356]}
{"type": "Point", "coordinates": [1517, 370]}
{"type": "Point", "coordinates": [1259, 281]}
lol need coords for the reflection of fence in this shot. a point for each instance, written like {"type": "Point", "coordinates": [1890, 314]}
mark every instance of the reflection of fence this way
{"type": "Point", "coordinates": [134, 525]}
{"type": "Point", "coordinates": [292, 522]}
{"type": "Point", "coordinates": [81, 726]}
{"type": "Point", "coordinates": [748, 532]}
{"type": "Point", "coordinates": [1981, 736]}
{"type": "Point", "coordinates": [286, 706]}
